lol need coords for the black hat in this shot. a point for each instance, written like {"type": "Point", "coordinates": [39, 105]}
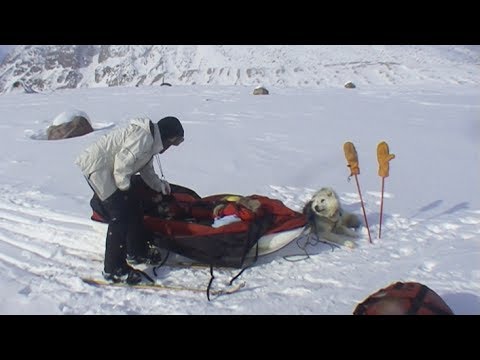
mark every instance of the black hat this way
{"type": "Point", "coordinates": [170, 127]}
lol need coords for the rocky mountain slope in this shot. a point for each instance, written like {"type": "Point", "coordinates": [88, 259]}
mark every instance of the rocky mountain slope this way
{"type": "Point", "coordinates": [50, 67]}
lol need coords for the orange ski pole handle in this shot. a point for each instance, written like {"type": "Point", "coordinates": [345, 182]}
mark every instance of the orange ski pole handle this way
{"type": "Point", "coordinates": [352, 158]}
{"type": "Point", "coordinates": [384, 158]}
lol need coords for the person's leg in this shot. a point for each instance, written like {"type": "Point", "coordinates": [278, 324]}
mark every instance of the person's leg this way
{"type": "Point", "coordinates": [116, 240]}
{"type": "Point", "coordinates": [138, 247]}
{"type": "Point", "coordinates": [136, 234]}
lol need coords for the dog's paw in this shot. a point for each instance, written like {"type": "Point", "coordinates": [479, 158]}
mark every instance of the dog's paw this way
{"type": "Point", "coordinates": [349, 244]}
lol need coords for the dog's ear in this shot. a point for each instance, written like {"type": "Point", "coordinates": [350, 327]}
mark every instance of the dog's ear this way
{"type": "Point", "coordinates": [327, 191]}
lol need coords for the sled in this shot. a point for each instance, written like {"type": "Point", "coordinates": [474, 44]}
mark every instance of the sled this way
{"type": "Point", "coordinates": [182, 223]}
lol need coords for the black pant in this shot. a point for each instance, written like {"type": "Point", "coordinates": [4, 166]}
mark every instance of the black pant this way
{"type": "Point", "coordinates": [126, 233]}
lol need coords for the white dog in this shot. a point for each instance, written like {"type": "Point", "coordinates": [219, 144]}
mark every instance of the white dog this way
{"type": "Point", "coordinates": [328, 221]}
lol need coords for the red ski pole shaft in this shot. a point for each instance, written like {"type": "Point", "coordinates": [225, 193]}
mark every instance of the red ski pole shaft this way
{"type": "Point", "coordinates": [381, 209]}
{"type": "Point", "coordinates": [384, 157]}
{"type": "Point", "coordinates": [363, 208]}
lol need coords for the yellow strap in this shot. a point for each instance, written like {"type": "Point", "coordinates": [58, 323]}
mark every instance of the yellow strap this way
{"type": "Point", "coordinates": [231, 198]}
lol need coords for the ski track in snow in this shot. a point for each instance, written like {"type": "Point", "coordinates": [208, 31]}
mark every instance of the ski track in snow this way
{"type": "Point", "coordinates": [44, 253]}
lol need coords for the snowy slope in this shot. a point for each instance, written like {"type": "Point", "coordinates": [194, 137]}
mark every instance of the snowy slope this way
{"type": "Point", "coordinates": [49, 67]}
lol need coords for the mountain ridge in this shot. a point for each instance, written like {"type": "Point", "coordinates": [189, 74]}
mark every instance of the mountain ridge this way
{"type": "Point", "coordinates": [52, 67]}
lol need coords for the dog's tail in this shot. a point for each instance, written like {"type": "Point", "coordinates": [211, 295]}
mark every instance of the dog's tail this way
{"type": "Point", "coordinates": [351, 220]}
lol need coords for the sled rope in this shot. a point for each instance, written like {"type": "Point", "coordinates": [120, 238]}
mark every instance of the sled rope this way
{"type": "Point", "coordinates": [292, 258]}
{"type": "Point", "coordinates": [208, 291]}
{"type": "Point", "coordinates": [246, 267]}
{"type": "Point", "coordinates": [309, 241]}
{"type": "Point", "coordinates": [383, 157]}
{"type": "Point", "coordinates": [161, 264]}
{"type": "Point", "coordinates": [352, 160]}
{"type": "Point", "coordinates": [210, 282]}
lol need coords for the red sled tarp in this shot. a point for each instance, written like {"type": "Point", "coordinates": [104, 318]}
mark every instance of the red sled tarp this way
{"type": "Point", "coordinates": [182, 223]}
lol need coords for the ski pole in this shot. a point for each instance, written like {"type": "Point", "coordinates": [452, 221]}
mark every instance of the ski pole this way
{"type": "Point", "coordinates": [383, 157]}
{"type": "Point", "coordinates": [352, 160]}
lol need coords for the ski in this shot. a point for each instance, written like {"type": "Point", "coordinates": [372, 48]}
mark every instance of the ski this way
{"type": "Point", "coordinates": [193, 265]}
{"type": "Point", "coordinates": [179, 264]}
{"type": "Point", "coordinates": [157, 286]}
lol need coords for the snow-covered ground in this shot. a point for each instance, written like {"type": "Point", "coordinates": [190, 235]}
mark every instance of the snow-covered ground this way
{"type": "Point", "coordinates": [286, 146]}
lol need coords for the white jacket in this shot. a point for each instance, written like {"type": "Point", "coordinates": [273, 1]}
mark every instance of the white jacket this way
{"type": "Point", "coordinates": [109, 163]}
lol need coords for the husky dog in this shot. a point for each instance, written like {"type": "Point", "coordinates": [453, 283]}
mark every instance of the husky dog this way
{"type": "Point", "coordinates": [327, 219]}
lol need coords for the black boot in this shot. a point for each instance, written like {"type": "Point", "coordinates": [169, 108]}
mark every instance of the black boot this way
{"type": "Point", "coordinates": [125, 274]}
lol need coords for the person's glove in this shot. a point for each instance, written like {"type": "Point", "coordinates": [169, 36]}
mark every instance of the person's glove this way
{"type": "Point", "coordinates": [165, 187]}
{"type": "Point", "coordinates": [352, 158]}
{"type": "Point", "coordinates": [383, 157]}
{"type": "Point", "coordinates": [157, 198]}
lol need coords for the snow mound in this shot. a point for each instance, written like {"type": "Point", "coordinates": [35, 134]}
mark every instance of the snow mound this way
{"type": "Point", "coordinates": [68, 116]}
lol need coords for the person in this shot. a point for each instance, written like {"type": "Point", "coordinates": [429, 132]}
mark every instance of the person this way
{"type": "Point", "coordinates": [108, 166]}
